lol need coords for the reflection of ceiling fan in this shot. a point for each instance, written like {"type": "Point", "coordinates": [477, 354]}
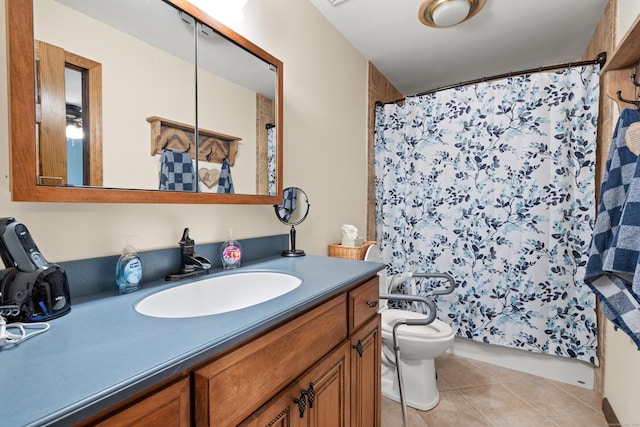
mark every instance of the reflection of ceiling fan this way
{"type": "Point", "coordinates": [74, 123]}
{"type": "Point", "coordinates": [74, 115]}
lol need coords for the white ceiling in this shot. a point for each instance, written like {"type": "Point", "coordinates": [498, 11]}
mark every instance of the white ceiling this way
{"type": "Point", "coordinates": [506, 35]}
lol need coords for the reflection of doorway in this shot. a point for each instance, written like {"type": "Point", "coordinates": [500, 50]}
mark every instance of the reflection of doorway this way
{"type": "Point", "coordinates": [68, 117]}
{"type": "Point", "coordinates": [75, 126]}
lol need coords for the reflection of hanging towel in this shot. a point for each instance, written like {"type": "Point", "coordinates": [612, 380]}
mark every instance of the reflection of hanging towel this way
{"type": "Point", "coordinates": [613, 268]}
{"type": "Point", "coordinates": [289, 203]}
{"type": "Point", "coordinates": [176, 171]}
{"type": "Point", "coordinates": [225, 184]}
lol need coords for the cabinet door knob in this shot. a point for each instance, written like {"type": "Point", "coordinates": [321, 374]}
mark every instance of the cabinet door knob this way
{"type": "Point", "coordinates": [372, 303]}
{"type": "Point", "coordinates": [358, 347]}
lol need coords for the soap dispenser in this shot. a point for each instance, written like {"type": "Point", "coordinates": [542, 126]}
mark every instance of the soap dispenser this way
{"type": "Point", "coordinates": [128, 270]}
{"type": "Point", "coordinates": [230, 252]}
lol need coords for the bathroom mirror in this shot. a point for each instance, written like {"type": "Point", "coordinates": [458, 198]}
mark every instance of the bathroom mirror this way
{"type": "Point", "coordinates": [292, 211]}
{"type": "Point", "coordinates": [221, 101]}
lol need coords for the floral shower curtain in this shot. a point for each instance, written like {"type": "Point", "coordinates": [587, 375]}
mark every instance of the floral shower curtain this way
{"type": "Point", "coordinates": [494, 184]}
{"type": "Point", "coordinates": [271, 160]}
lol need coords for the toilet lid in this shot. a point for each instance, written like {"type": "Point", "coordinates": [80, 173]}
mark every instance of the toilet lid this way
{"type": "Point", "coordinates": [374, 254]}
{"type": "Point", "coordinates": [435, 330]}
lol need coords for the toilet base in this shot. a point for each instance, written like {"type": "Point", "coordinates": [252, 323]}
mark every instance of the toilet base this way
{"type": "Point", "coordinates": [419, 381]}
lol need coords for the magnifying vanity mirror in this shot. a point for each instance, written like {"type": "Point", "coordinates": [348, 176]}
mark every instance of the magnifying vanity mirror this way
{"type": "Point", "coordinates": [293, 210]}
{"type": "Point", "coordinates": [101, 91]}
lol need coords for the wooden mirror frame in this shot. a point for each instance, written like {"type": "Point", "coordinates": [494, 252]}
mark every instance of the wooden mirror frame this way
{"type": "Point", "coordinates": [22, 129]}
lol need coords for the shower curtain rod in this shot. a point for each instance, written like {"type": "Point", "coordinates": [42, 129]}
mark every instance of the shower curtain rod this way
{"type": "Point", "coordinates": [601, 59]}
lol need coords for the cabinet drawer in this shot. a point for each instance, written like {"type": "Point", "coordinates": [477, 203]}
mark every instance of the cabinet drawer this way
{"type": "Point", "coordinates": [168, 407]}
{"type": "Point", "coordinates": [232, 387]}
{"type": "Point", "coordinates": [363, 303]}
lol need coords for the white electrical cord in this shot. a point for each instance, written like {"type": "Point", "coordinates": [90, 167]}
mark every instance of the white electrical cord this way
{"type": "Point", "coordinates": [8, 338]}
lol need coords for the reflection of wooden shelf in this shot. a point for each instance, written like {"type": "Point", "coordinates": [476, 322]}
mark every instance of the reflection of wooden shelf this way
{"type": "Point", "coordinates": [213, 146]}
{"type": "Point", "coordinates": [622, 64]}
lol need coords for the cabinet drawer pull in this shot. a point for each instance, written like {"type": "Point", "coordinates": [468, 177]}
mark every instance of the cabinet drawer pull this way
{"type": "Point", "coordinates": [358, 347]}
{"type": "Point", "coordinates": [301, 402]}
{"type": "Point", "coordinates": [372, 304]}
{"type": "Point", "coordinates": [311, 394]}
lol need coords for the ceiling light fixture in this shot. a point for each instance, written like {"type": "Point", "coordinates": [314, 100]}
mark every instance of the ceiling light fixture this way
{"type": "Point", "coordinates": [446, 13]}
{"type": "Point", "coordinates": [336, 2]}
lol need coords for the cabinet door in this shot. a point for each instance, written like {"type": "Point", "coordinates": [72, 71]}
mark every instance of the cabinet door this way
{"type": "Point", "coordinates": [328, 390]}
{"type": "Point", "coordinates": [365, 374]}
{"type": "Point", "coordinates": [231, 388]}
{"type": "Point", "coordinates": [168, 408]}
{"type": "Point", "coordinates": [281, 411]}
{"type": "Point", "coordinates": [318, 398]}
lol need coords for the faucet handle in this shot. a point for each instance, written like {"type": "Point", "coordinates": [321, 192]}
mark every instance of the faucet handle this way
{"type": "Point", "coordinates": [186, 240]}
{"type": "Point", "coordinates": [187, 243]}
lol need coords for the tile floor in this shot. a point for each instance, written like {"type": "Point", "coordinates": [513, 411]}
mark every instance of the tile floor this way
{"type": "Point", "coordinates": [477, 394]}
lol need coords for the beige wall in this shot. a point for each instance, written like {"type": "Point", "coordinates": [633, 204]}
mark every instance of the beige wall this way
{"type": "Point", "coordinates": [325, 128]}
{"type": "Point", "coordinates": [622, 376]}
{"type": "Point", "coordinates": [622, 361]}
{"type": "Point", "coordinates": [627, 11]}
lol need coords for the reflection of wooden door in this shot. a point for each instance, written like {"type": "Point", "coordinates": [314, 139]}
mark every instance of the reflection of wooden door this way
{"type": "Point", "coordinates": [51, 117]}
{"type": "Point", "coordinates": [51, 121]}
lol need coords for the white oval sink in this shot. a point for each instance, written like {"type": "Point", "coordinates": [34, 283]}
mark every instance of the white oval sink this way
{"type": "Point", "coordinates": [217, 294]}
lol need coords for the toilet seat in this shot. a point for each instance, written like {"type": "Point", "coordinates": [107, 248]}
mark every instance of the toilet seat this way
{"type": "Point", "coordinates": [435, 331]}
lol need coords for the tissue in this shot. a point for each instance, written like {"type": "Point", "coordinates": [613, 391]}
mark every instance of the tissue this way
{"type": "Point", "coordinates": [350, 235]}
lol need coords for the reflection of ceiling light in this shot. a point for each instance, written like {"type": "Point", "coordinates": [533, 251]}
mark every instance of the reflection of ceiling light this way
{"type": "Point", "coordinates": [74, 132]}
{"type": "Point", "coordinates": [446, 13]}
{"type": "Point", "coordinates": [229, 11]}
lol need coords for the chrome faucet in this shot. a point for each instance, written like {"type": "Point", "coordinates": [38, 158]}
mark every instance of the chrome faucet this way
{"type": "Point", "coordinates": [191, 264]}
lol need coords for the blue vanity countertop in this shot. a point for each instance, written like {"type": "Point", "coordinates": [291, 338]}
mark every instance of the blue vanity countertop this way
{"type": "Point", "coordinates": [103, 351]}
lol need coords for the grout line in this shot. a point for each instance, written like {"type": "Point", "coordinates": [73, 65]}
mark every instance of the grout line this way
{"type": "Point", "coordinates": [517, 397]}
{"type": "Point", "coordinates": [552, 383]}
{"type": "Point", "coordinates": [474, 407]}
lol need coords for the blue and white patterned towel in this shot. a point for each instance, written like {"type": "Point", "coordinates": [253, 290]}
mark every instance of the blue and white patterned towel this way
{"type": "Point", "coordinates": [225, 184]}
{"type": "Point", "coordinates": [613, 268]}
{"type": "Point", "coordinates": [289, 203]}
{"type": "Point", "coordinates": [176, 171]}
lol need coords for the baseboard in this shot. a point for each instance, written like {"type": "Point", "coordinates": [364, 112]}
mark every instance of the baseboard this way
{"type": "Point", "coordinates": [609, 414]}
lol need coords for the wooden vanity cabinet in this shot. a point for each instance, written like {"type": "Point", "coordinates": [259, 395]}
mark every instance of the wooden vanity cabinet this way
{"type": "Point", "coordinates": [321, 369]}
{"type": "Point", "coordinates": [324, 364]}
{"type": "Point", "coordinates": [343, 388]}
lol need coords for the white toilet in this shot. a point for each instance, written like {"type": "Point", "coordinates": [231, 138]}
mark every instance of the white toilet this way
{"type": "Point", "coordinates": [419, 346]}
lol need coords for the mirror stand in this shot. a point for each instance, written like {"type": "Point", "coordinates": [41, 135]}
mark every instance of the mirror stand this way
{"type": "Point", "coordinates": [293, 251]}
{"type": "Point", "coordinates": [292, 211]}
